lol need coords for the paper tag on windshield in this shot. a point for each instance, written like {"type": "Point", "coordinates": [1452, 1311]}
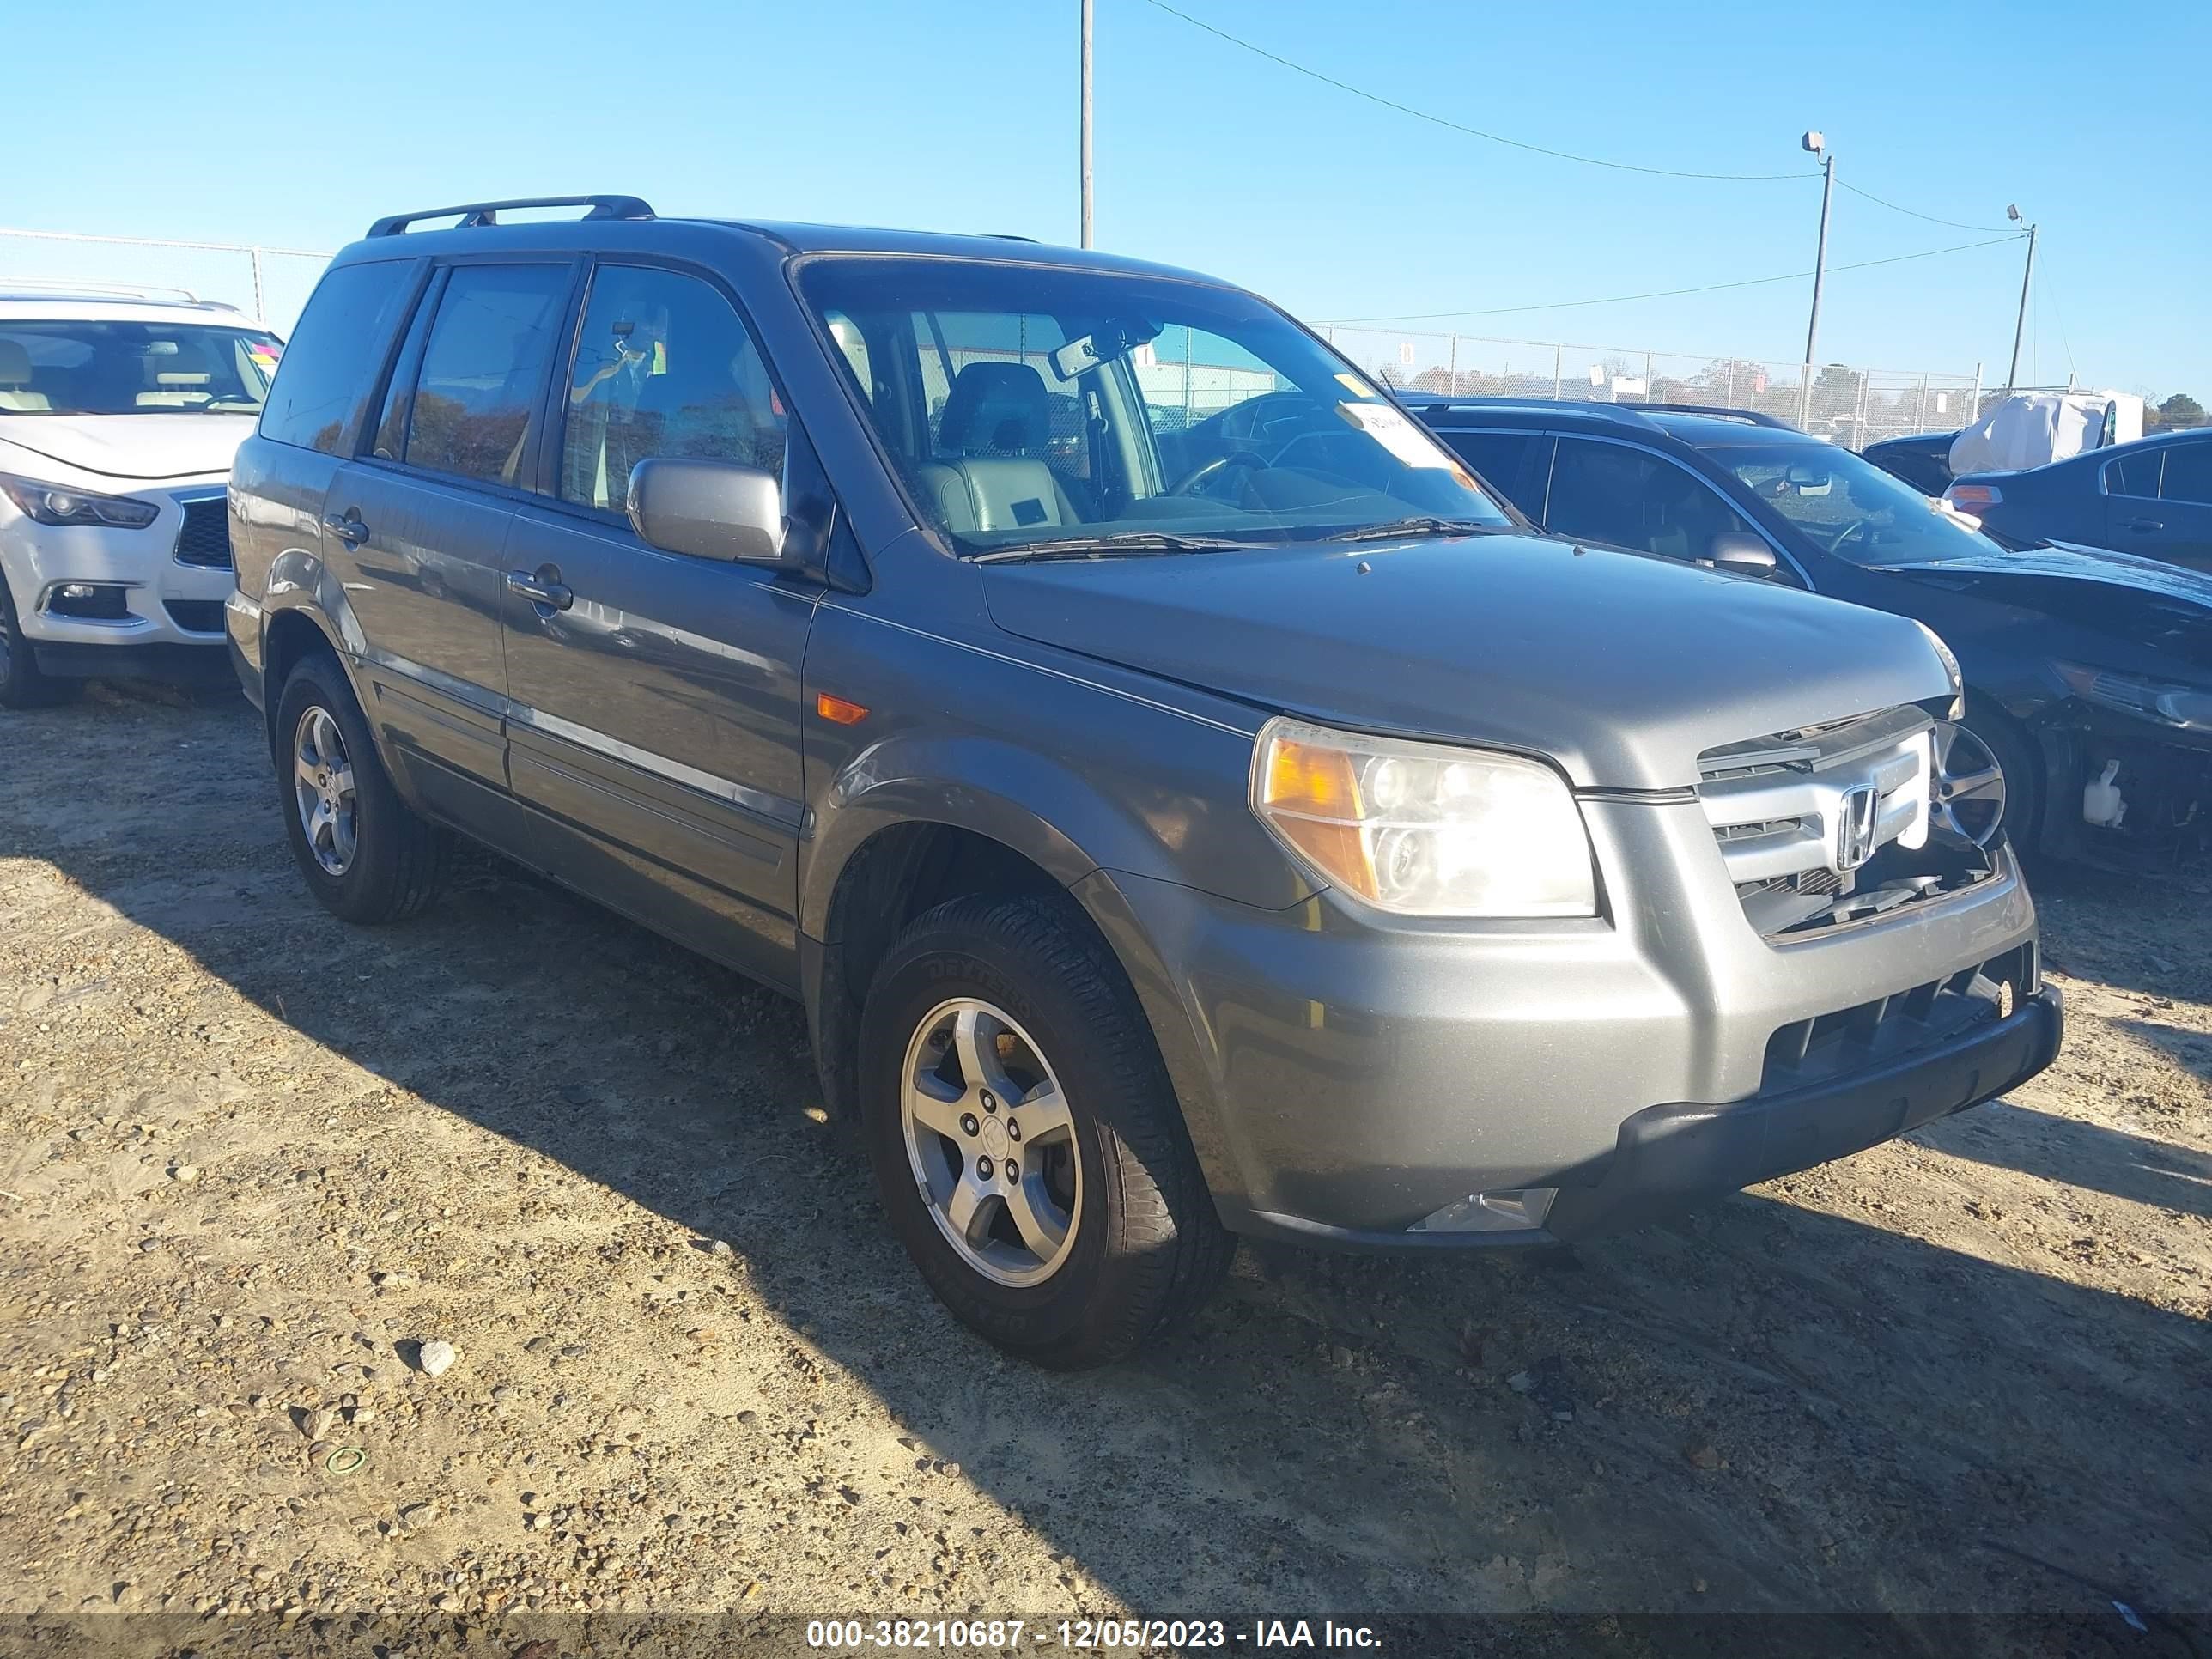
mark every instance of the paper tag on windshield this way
{"type": "Point", "coordinates": [1389, 428]}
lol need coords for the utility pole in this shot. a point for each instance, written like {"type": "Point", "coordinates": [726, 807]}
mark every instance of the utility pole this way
{"type": "Point", "coordinates": [2027, 276]}
{"type": "Point", "coordinates": [1815, 144]}
{"type": "Point", "coordinates": [1086, 164]}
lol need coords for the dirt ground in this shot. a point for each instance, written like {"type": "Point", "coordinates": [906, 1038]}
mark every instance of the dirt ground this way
{"type": "Point", "coordinates": [251, 1158]}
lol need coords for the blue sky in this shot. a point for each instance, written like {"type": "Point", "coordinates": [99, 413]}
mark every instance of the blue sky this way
{"type": "Point", "coordinates": [294, 125]}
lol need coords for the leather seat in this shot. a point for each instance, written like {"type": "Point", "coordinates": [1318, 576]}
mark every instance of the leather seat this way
{"type": "Point", "coordinates": [990, 474]}
{"type": "Point", "coordinates": [15, 378]}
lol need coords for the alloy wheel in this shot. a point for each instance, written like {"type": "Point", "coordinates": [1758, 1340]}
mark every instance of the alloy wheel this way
{"type": "Point", "coordinates": [991, 1142]}
{"type": "Point", "coordinates": [323, 788]}
{"type": "Point", "coordinates": [1967, 797]}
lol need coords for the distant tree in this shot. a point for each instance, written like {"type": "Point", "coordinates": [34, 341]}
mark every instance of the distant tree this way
{"type": "Point", "coordinates": [2180, 409]}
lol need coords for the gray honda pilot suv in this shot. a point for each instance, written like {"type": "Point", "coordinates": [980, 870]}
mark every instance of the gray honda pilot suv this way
{"type": "Point", "coordinates": [1187, 804]}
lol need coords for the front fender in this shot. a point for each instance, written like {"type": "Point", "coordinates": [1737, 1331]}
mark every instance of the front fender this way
{"type": "Point", "coordinates": [1067, 821]}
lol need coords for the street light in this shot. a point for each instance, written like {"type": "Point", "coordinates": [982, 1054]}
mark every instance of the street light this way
{"type": "Point", "coordinates": [1816, 143]}
{"type": "Point", "coordinates": [2020, 324]}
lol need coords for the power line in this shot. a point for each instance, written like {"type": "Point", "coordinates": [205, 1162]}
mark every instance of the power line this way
{"type": "Point", "coordinates": [1910, 213]}
{"type": "Point", "coordinates": [1663, 294]}
{"type": "Point", "coordinates": [2049, 295]}
{"type": "Point", "coordinates": [1457, 126]}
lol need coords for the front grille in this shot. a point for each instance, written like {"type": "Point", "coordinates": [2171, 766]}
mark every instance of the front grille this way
{"type": "Point", "coordinates": [196, 616]}
{"type": "Point", "coordinates": [1781, 807]}
{"type": "Point", "coordinates": [1806, 1052]}
{"type": "Point", "coordinates": [206, 539]}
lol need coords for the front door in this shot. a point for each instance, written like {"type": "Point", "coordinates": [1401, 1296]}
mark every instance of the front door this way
{"type": "Point", "coordinates": [416, 528]}
{"type": "Point", "coordinates": [654, 698]}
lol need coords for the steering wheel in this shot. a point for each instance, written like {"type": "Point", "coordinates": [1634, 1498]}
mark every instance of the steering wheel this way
{"type": "Point", "coordinates": [1205, 469]}
{"type": "Point", "coordinates": [1848, 531]}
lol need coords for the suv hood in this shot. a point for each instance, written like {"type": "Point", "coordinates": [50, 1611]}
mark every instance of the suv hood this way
{"type": "Point", "coordinates": [1621, 667]}
{"type": "Point", "coordinates": [141, 448]}
{"type": "Point", "coordinates": [2144, 602]}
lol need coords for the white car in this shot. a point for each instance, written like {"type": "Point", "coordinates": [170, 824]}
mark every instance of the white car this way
{"type": "Point", "coordinates": [120, 414]}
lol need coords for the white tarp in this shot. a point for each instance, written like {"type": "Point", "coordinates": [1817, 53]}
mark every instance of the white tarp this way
{"type": "Point", "coordinates": [2037, 426]}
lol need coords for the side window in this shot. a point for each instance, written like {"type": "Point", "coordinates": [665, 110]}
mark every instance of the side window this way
{"type": "Point", "coordinates": [483, 370]}
{"type": "Point", "coordinates": [389, 441]}
{"type": "Point", "coordinates": [1502, 459]}
{"type": "Point", "coordinates": [664, 367]}
{"type": "Point", "coordinates": [2188, 474]}
{"type": "Point", "coordinates": [2134, 475]}
{"type": "Point", "coordinates": [325, 369]}
{"type": "Point", "coordinates": [1610, 493]}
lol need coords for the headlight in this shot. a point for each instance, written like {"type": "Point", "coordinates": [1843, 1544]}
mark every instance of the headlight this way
{"type": "Point", "coordinates": [2154, 700]}
{"type": "Point", "coordinates": [1424, 829]}
{"type": "Point", "coordinates": [56, 504]}
{"type": "Point", "coordinates": [1950, 667]}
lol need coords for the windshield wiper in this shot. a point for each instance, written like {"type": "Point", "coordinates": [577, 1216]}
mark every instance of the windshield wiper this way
{"type": "Point", "coordinates": [1421, 524]}
{"type": "Point", "coordinates": [1127, 541]}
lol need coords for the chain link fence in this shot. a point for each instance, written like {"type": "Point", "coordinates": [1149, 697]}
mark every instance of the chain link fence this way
{"type": "Point", "coordinates": [269, 284]}
{"type": "Point", "coordinates": [1854, 406]}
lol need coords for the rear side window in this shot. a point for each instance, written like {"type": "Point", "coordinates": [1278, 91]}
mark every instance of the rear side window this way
{"type": "Point", "coordinates": [2188, 474]}
{"type": "Point", "coordinates": [1502, 460]}
{"type": "Point", "coordinates": [333, 355]}
{"type": "Point", "coordinates": [2134, 475]}
{"type": "Point", "coordinates": [1604, 492]}
{"type": "Point", "coordinates": [483, 370]}
{"type": "Point", "coordinates": [664, 367]}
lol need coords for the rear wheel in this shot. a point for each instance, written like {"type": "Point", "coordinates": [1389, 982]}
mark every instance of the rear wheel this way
{"type": "Point", "coordinates": [22, 684]}
{"type": "Point", "coordinates": [1028, 1148]}
{"type": "Point", "coordinates": [365, 854]}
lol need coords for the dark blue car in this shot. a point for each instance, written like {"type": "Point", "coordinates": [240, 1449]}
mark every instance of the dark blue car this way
{"type": "Point", "coordinates": [2088, 673]}
{"type": "Point", "coordinates": [2153, 497]}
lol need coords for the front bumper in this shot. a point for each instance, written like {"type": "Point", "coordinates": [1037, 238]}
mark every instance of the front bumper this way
{"type": "Point", "coordinates": [1348, 1075]}
{"type": "Point", "coordinates": [173, 609]}
{"type": "Point", "coordinates": [2164, 778]}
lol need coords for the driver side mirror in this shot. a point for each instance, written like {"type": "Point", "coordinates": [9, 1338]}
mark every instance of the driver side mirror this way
{"type": "Point", "coordinates": [708, 509]}
{"type": "Point", "coordinates": [1733, 549]}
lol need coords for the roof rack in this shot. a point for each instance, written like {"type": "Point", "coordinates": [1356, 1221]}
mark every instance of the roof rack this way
{"type": "Point", "coordinates": [1590, 406]}
{"type": "Point", "coordinates": [474, 215]}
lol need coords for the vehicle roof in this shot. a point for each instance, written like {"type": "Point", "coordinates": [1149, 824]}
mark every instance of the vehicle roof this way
{"type": "Point", "coordinates": [589, 234]}
{"type": "Point", "coordinates": [26, 303]}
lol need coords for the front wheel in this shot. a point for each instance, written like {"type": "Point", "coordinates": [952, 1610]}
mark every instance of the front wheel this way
{"type": "Point", "coordinates": [22, 684]}
{"type": "Point", "coordinates": [1026, 1142]}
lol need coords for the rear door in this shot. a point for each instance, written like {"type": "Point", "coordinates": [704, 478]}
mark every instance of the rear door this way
{"type": "Point", "coordinates": [655, 697]}
{"type": "Point", "coordinates": [2185, 501]}
{"type": "Point", "coordinates": [416, 525]}
{"type": "Point", "coordinates": [2134, 519]}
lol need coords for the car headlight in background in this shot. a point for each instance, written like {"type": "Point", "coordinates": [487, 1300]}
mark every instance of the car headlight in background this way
{"type": "Point", "coordinates": [2187, 706]}
{"type": "Point", "coordinates": [1424, 829]}
{"type": "Point", "coordinates": [1950, 667]}
{"type": "Point", "coordinates": [56, 504]}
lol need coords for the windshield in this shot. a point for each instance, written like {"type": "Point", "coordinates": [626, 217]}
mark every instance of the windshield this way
{"type": "Point", "coordinates": [1045, 411]}
{"type": "Point", "coordinates": [69, 368]}
{"type": "Point", "coordinates": [1847, 506]}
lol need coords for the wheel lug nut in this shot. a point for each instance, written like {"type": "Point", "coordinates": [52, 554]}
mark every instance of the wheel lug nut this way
{"type": "Point", "coordinates": [990, 1101]}
{"type": "Point", "coordinates": [1013, 1130]}
{"type": "Point", "coordinates": [983, 1168]}
{"type": "Point", "coordinates": [969, 1125]}
{"type": "Point", "coordinates": [1013, 1172]}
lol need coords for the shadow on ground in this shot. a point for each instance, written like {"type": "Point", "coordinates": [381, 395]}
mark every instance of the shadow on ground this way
{"type": "Point", "coordinates": [1764, 1406]}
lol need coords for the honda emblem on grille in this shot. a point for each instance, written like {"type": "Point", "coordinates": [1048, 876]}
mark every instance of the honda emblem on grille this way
{"type": "Point", "coordinates": [1854, 826]}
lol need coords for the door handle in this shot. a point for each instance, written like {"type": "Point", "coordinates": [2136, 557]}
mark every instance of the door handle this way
{"type": "Point", "coordinates": [346, 526]}
{"type": "Point", "coordinates": [2146, 524]}
{"type": "Point", "coordinates": [541, 588]}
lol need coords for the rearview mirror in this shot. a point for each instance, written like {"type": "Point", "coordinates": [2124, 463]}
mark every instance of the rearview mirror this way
{"type": "Point", "coordinates": [1732, 550]}
{"type": "Point", "coordinates": [709, 509]}
{"type": "Point", "coordinates": [1811, 480]}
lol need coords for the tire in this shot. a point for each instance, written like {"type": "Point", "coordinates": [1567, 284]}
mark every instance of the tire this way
{"type": "Point", "coordinates": [23, 684]}
{"type": "Point", "coordinates": [2018, 759]}
{"type": "Point", "coordinates": [1143, 1246]}
{"type": "Point", "coordinates": [374, 860]}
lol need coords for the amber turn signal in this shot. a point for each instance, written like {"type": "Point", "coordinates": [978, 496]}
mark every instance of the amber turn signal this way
{"type": "Point", "coordinates": [837, 711]}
